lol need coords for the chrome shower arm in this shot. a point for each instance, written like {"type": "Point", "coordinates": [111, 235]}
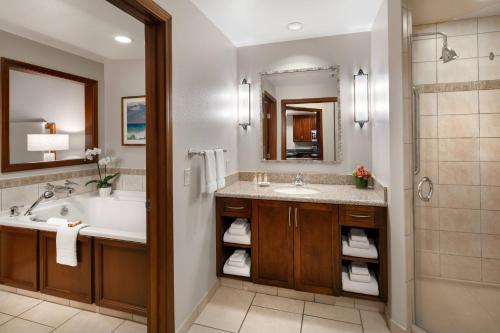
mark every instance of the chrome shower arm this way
{"type": "Point", "coordinates": [422, 34]}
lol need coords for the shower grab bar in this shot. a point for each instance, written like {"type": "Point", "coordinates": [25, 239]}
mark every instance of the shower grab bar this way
{"type": "Point", "coordinates": [416, 131]}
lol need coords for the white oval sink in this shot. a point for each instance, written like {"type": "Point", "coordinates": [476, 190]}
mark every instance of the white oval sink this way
{"type": "Point", "coordinates": [295, 190]}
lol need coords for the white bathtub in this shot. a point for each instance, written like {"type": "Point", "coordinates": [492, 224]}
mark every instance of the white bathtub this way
{"type": "Point", "coordinates": [121, 216]}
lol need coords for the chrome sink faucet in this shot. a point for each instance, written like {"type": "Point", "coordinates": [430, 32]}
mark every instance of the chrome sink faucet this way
{"type": "Point", "coordinates": [299, 180]}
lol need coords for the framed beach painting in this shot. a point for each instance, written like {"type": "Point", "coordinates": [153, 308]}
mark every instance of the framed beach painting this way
{"type": "Point", "coordinates": [134, 121]}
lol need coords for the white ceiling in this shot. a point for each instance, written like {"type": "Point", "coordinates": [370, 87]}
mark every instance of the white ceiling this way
{"type": "Point", "coordinates": [435, 11]}
{"type": "Point", "coordinates": [85, 27]}
{"type": "Point", "coordinates": [251, 22]}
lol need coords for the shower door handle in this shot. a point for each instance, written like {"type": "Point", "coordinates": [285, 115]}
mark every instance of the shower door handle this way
{"type": "Point", "coordinates": [428, 196]}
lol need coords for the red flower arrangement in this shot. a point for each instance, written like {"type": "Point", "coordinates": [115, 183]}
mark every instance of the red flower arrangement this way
{"type": "Point", "coordinates": [361, 176]}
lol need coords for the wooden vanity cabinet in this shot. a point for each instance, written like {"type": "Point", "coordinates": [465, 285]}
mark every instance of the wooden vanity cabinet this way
{"type": "Point", "coordinates": [302, 127]}
{"type": "Point", "coordinates": [19, 257]}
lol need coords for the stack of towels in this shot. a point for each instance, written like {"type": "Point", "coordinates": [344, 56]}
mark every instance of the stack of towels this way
{"type": "Point", "coordinates": [239, 263]}
{"type": "Point", "coordinates": [239, 232]}
{"type": "Point", "coordinates": [357, 278]}
{"type": "Point", "coordinates": [357, 244]}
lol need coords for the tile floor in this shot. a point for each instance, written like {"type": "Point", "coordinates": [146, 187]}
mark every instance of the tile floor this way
{"type": "Point", "coordinates": [241, 311]}
{"type": "Point", "coordinates": [25, 314]}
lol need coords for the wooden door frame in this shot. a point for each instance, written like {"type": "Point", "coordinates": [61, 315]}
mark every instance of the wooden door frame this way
{"type": "Point", "coordinates": [159, 193]}
{"type": "Point", "coordinates": [265, 129]}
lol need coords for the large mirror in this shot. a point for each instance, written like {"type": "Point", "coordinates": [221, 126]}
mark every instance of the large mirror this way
{"type": "Point", "coordinates": [49, 117]}
{"type": "Point", "coordinates": [301, 115]}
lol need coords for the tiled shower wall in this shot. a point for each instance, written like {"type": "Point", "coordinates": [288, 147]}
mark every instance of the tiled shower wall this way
{"type": "Point", "coordinates": [458, 231]}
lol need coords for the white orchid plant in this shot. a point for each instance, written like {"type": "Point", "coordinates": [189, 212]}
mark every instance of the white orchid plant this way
{"type": "Point", "coordinates": [104, 162]}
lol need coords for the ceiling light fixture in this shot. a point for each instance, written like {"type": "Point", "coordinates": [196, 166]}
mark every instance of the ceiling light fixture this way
{"type": "Point", "coordinates": [294, 26]}
{"type": "Point", "coordinates": [123, 39]}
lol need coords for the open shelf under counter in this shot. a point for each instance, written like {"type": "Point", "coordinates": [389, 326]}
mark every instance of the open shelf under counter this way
{"type": "Point", "coordinates": [360, 259]}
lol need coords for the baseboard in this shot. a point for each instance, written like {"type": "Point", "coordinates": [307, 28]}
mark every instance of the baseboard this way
{"type": "Point", "coordinates": [397, 328]}
{"type": "Point", "coordinates": [186, 324]}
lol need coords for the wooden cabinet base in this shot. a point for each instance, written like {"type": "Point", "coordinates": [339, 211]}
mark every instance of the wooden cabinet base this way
{"type": "Point", "coordinates": [73, 283]}
{"type": "Point", "coordinates": [121, 275]}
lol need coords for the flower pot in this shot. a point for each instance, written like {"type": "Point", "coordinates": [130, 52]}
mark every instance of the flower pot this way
{"type": "Point", "coordinates": [360, 182]}
{"type": "Point", "coordinates": [105, 192]}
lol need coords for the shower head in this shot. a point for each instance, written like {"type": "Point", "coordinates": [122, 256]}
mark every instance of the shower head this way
{"type": "Point", "coordinates": [447, 54]}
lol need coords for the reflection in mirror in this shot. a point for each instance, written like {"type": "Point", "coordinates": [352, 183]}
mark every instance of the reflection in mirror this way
{"type": "Point", "coordinates": [301, 115]}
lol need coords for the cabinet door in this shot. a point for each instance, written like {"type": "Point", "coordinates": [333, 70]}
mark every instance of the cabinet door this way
{"type": "Point", "coordinates": [272, 243]}
{"type": "Point", "coordinates": [315, 227]}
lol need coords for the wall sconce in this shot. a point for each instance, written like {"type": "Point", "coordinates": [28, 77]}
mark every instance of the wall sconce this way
{"type": "Point", "coordinates": [244, 104]}
{"type": "Point", "coordinates": [361, 111]}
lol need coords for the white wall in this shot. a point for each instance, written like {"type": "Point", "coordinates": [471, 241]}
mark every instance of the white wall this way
{"type": "Point", "coordinates": [123, 78]}
{"type": "Point", "coordinates": [351, 52]}
{"type": "Point", "coordinates": [204, 116]}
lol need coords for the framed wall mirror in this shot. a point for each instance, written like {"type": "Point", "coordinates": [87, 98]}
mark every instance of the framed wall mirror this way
{"type": "Point", "coordinates": [49, 117]}
{"type": "Point", "coordinates": [301, 115]}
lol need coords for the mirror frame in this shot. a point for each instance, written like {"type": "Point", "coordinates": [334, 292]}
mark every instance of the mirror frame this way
{"type": "Point", "coordinates": [91, 113]}
{"type": "Point", "coordinates": [338, 118]}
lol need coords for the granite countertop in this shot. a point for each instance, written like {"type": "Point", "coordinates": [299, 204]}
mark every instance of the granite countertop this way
{"type": "Point", "coordinates": [334, 194]}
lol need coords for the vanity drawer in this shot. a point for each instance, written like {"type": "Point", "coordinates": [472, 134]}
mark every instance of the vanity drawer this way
{"type": "Point", "coordinates": [235, 207]}
{"type": "Point", "coordinates": [362, 216]}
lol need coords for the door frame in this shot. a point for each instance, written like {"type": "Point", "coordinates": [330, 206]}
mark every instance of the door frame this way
{"type": "Point", "coordinates": [159, 191]}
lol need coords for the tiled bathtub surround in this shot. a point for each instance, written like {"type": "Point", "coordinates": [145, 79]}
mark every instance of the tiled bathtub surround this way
{"type": "Point", "coordinates": [458, 231]}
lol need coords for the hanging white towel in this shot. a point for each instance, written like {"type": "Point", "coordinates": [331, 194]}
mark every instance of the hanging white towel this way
{"type": "Point", "coordinates": [220, 166]}
{"type": "Point", "coordinates": [237, 239]}
{"type": "Point", "coordinates": [240, 271]}
{"type": "Point", "coordinates": [358, 277]}
{"type": "Point", "coordinates": [357, 234]}
{"type": "Point", "coordinates": [367, 288]}
{"type": "Point", "coordinates": [66, 244]}
{"type": "Point", "coordinates": [210, 172]}
{"type": "Point", "coordinates": [370, 253]}
{"type": "Point", "coordinates": [359, 268]}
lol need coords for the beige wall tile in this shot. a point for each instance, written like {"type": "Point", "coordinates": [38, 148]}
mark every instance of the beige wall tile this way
{"type": "Point", "coordinates": [490, 23]}
{"type": "Point", "coordinates": [459, 173]}
{"type": "Point", "coordinates": [428, 104]}
{"type": "Point", "coordinates": [458, 27]}
{"type": "Point", "coordinates": [490, 172]}
{"type": "Point", "coordinates": [459, 196]}
{"type": "Point", "coordinates": [490, 222]}
{"type": "Point", "coordinates": [460, 243]}
{"type": "Point", "coordinates": [462, 220]}
{"type": "Point", "coordinates": [424, 28]}
{"type": "Point", "coordinates": [22, 195]}
{"type": "Point", "coordinates": [427, 218]}
{"type": "Point", "coordinates": [458, 102]}
{"type": "Point", "coordinates": [433, 202]}
{"type": "Point", "coordinates": [489, 101]}
{"type": "Point", "coordinates": [428, 150]}
{"type": "Point", "coordinates": [490, 197]}
{"type": "Point", "coordinates": [490, 149]}
{"type": "Point", "coordinates": [427, 264]}
{"type": "Point", "coordinates": [424, 73]}
{"type": "Point", "coordinates": [491, 270]}
{"type": "Point", "coordinates": [458, 126]}
{"type": "Point", "coordinates": [427, 240]}
{"type": "Point", "coordinates": [466, 46]}
{"type": "Point", "coordinates": [490, 125]}
{"type": "Point", "coordinates": [489, 69]}
{"type": "Point", "coordinates": [491, 246]}
{"type": "Point", "coordinates": [462, 268]}
{"type": "Point", "coordinates": [489, 42]}
{"type": "Point", "coordinates": [460, 70]}
{"type": "Point", "coordinates": [424, 50]}
{"type": "Point", "coordinates": [428, 127]}
{"type": "Point", "coordinates": [429, 169]}
{"type": "Point", "coordinates": [460, 150]}
{"type": "Point", "coordinates": [132, 182]}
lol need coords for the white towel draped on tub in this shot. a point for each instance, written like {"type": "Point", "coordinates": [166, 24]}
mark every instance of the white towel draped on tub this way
{"type": "Point", "coordinates": [56, 221]}
{"type": "Point", "coordinates": [367, 288]}
{"type": "Point", "coordinates": [210, 172]}
{"type": "Point", "coordinates": [66, 244]}
{"type": "Point", "coordinates": [220, 167]}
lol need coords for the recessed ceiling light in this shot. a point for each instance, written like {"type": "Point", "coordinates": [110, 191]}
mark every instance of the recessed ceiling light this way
{"type": "Point", "coordinates": [294, 26]}
{"type": "Point", "coordinates": [123, 39]}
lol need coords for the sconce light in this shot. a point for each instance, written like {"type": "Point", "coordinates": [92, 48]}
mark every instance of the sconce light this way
{"type": "Point", "coordinates": [244, 104]}
{"type": "Point", "coordinates": [361, 111]}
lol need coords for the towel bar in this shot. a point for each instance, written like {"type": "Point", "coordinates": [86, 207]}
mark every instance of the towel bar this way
{"type": "Point", "coordinates": [192, 152]}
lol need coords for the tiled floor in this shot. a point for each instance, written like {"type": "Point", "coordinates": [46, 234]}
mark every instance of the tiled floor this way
{"type": "Point", "coordinates": [24, 314]}
{"type": "Point", "coordinates": [241, 311]}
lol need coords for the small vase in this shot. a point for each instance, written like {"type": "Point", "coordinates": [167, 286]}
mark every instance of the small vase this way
{"type": "Point", "coordinates": [360, 182]}
{"type": "Point", "coordinates": [105, 192]}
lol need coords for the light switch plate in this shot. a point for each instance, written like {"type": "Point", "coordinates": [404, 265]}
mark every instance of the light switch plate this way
{"type": "Point", "coordinates": [187, 177]}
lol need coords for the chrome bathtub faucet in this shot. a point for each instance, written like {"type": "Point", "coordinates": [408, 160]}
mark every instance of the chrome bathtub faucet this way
{"type": "Point", "coordinates": [46, 195]}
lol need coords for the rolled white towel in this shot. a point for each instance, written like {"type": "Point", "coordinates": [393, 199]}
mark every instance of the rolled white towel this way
{"type": "Point", "coordinates": [359, 268]}
{"type": "Point", "coordinates": [57, 221]}
{"type": "Point", "coordinates": [358, 277]}
{"type": "Point", "coordinates": [358, 234]}
{"type": "Point", "coordinates": [365, 244]}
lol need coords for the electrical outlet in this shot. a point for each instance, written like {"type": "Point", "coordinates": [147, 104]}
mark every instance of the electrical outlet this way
{"type": "Point", "coordinates": [187, 177]}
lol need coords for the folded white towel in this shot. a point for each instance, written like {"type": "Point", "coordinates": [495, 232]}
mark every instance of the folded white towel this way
{"type": "Point", "coordinates": [367, 288]}
{"type": "Point", "coordinates": [240, 271]}
{"type": "Point", "coordinates": [66, 244]}
{"type": "Point", "coordinates": [239, 261]}
{"type": "Point", "coordinates": [243, 239]}
{"type": "Point", "coordinates": [239, 223]}
{"type": "Point", "coordinates": [357, 244]}
{"type": "Point", "coordinates": [220, 166]}
{"type": "Point", "coordinates": [358, 277]}
{"type": "Point", "coordinates": [359, 268]}
{"type": "Point", "coordinates": [358, 234]}
{"type": "Point", "coordinates": [57, 221]}
{"type": "Point", "coordinates": [370, 253]}
{"type": "Point", "coordinates": [210, 172]}
{"type": "Point", "coordinates": [240, 231]}
{"type": "Point", "coordinates": [238, 256]}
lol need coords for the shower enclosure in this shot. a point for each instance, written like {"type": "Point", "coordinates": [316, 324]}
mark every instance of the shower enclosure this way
{"type": "Point", "coordinates": [456, 183]}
